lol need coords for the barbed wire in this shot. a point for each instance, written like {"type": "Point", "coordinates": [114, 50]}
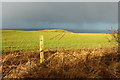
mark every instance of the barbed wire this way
{"type": "Point", "coordinates": [12, 45]}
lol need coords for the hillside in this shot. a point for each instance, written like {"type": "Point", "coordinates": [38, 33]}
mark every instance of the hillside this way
{"type": "Point", "coordinates": [53, 39]}
{"type": "Point", "coordinates": [56, 30]}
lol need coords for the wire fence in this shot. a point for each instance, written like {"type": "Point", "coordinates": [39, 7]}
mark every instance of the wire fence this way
{"type": "Point", "coordinates": [25, 45]}
{"type": "Point", "coordinates": [54, 42]}
{"type": "Point", "coordinates": [28, 44]}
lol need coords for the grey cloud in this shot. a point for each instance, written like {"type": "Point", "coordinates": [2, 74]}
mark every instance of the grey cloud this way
{"type": "Point", "coordinates": [32, 13]}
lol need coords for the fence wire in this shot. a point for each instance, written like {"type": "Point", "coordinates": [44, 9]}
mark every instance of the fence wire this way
{"type": "Point", "coordinates": [25, 45]}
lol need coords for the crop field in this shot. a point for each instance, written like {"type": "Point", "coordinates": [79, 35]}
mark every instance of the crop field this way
{"type": "Point", "coordinates": [53, 39]}
{"type": "Point", "coordinates": [66, 55]}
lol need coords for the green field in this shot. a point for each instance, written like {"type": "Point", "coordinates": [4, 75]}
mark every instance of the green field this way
{"type": "Point", "coordinates": [29, 40]}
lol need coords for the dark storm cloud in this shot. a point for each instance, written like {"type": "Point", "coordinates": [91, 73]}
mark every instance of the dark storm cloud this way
{"type": "Point", "coordinates": [60, 15]}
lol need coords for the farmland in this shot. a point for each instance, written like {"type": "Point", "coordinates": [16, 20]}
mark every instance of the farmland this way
{"type": "Point", "coordinates": [53, 39]}
{"type": "Point", "coordinates": [67, 55]}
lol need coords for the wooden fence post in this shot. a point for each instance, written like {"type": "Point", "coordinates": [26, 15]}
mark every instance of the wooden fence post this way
{"type": "Point", "coordinates": [41, 49]}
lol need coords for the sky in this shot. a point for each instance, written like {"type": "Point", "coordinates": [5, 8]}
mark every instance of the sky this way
{"type": "Point", "coordinates": [59, 0]}
{"type": "Point", "coordinates": [72, 16]}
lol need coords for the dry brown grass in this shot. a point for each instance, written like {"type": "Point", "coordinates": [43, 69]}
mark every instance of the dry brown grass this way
{"type": "Point", "coordinates": [82, 63]}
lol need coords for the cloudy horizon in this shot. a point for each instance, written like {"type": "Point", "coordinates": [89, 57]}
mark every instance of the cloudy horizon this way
{"type": "Point", "coordinates": [75, 16]}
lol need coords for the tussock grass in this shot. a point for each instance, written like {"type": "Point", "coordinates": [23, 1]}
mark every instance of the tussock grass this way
{"type": "Point", "coordinates": [80, 63]}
